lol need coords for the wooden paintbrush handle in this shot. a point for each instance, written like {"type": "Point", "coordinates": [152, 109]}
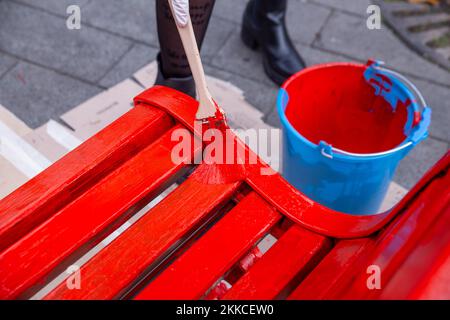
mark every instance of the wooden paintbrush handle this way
{"type": "Point", "coordinates": [180, 12]}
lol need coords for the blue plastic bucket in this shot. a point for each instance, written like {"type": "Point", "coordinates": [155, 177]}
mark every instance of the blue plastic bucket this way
{"type": "Point", "coordinates": [345, 129]}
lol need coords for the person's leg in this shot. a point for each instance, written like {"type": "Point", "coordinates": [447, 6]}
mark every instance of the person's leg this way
{"type": "Point", "coordinates": [174, 68]}
{"type": "Point", "coordinates": [264, 26]}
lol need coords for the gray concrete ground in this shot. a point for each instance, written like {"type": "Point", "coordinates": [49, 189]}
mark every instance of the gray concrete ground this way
{"type": "Point", "coordinates": [46, 69]}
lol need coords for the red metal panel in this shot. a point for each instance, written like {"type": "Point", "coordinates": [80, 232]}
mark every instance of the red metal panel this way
{"type": "Point", "coordinates": [87, 218]}
{"type": "Point", "coordinates": [42, 196]}
{"type": "Point", "coordinates": [115, 268]}
{"type": "Point", "coordinates": [214, 253]}
{"type": "Point", "coordinates": [290, 259]}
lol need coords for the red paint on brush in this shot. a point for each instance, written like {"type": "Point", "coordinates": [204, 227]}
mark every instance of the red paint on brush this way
{"type": "Point", "coordinates": [219, 120]}
{"type": "Point", "coordinates": [217, 168]}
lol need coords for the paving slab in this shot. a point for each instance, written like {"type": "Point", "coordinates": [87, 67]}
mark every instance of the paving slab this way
{"type": "Point", "coordinates": [219, 30]}
{"type": "Point", "coordinates": [135, 19]}
{"type": "Point", "coordinates": [419, 25]}
{"type": "Point", "coordinates": [273, 119]}
{"type": "Point", "coordinates": [40, 37]}
{"type": "Point", "coordinates": [349, 35]}
{"type": "Point", "coordinates": [419, 161]}
{"type": "Point", "coordinates": [354, 6]}
{"type": "Point", "coordinates": [6, 63]}
{"type": "Point", "coordinates": [304, 20]}
{"type": "Point", "coordinates": [237, 58]}
{"type": "Point", "coordinates": [230, 9]}
{"type": "Point", "coordinates": [139, 56]}
{"type": "Point", "coordinates": [35, 94]}
{"type": "Point", "coordinates": [58, 7]}
{"type": "Point", "coordinates": [438, 98]}
{"type": "Point", "coordinates": [314, 56]}
{"type": "Point", "coordinates": [262, 96]}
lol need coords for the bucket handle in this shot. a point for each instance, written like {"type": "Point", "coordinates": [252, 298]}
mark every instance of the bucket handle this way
{"type": "Point", "coordinates": [326, 150]}
{"type": "Point", "coordinates": [379, 65]}
{"type": "Point", "coordinates": [420, 131]}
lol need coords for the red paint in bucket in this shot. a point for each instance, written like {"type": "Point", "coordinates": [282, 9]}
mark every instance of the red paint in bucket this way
{"type": "Point", "coordinates": [337, 105]}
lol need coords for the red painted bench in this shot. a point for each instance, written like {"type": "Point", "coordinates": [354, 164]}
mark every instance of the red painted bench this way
{"type": "Point", "coordinates": [200, 242]}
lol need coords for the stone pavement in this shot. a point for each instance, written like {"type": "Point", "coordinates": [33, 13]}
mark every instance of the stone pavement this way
{"type": "Point", "coordinates": [46, 69]}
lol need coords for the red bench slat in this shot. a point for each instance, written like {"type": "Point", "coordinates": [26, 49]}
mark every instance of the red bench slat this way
{"type": "Point", "coordinates": [436, 286]}
{"type": "Point", "coordinates": [87, 218]}
{"type": "Point", "coordinates": [415, 276]}
{"type": "Point", "coordinates": [342, 274]}
{"type": "Point", "coordinates": [403, 236]}
{"type": "Point", "coordinates": [43, 195]}
{"type": "Point", "coordinates": [319, 284]}
{"type": "Point", "coordinates": [214, 253]}
{"type": "Point", "coordinates": [292, 256]}
{"type": "Point", "coordinates": [114, 269]}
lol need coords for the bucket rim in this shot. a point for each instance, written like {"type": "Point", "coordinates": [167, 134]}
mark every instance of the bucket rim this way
{"type": "Point", "coordinates": [335, 152]}
{"type": "Point", "coordinates": [326, 149]}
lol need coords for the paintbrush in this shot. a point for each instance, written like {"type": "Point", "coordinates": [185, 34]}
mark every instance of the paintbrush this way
{"type": "Point", "coordinates": [208, 109]}
{"type": "Point", "coordinates": [209, 115]}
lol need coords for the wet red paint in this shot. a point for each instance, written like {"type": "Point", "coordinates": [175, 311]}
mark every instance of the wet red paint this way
{"type": "Point", "coordinates": [218, 168]}
{"type": "Point", "coordinates": [222, 162]}
{"type": "Point", "coordinates": [246, 223]}
{"type": "Point", "coordinates": [220, 173]}
{"type": "Point", "coordinates": [200, 233]}
{"type": "Point", "coordinates": [338, 106]}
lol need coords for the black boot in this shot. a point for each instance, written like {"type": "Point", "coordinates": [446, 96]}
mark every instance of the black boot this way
{"type": "Point", "coordinates": [264, 26]}
{"type": "Point", "coordinates": [183, 84]}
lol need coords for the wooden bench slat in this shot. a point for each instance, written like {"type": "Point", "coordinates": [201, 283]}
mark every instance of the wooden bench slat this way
{"type": "Point", "coordinates": [413, 280]}
{"type": "Point", "coordinates": [192, 274]}
{"type": "Point", "coordinates": [342, 274]}
{"type": "Point", "coordinates": [293, 255]}
{"type": "Point", "coordinates": [118, 266]}
{"type": "Point", "coordinates": [319, 284]}
{"type": "Point", "coordinates": [401, 239]}
{"type": "Point", "coordinates": [45, 194]}
{"type": "Point", "coordinates": [77, 227]}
